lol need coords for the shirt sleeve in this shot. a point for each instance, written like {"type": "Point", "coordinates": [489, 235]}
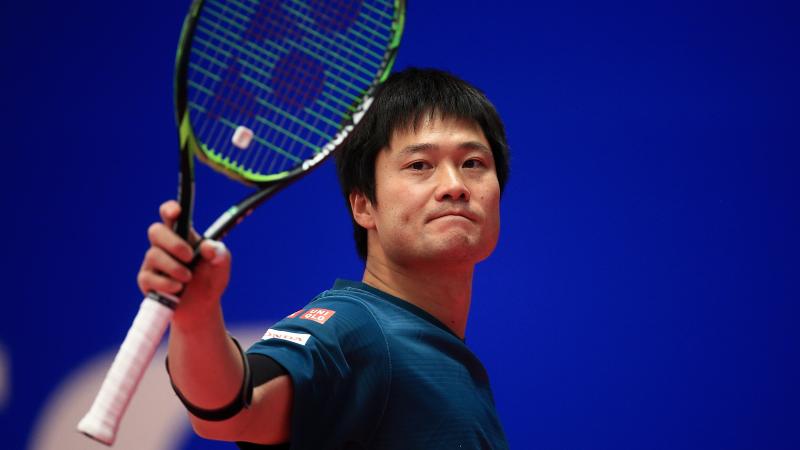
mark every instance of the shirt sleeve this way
{"type": "Point", "coordinates": [337, 356]}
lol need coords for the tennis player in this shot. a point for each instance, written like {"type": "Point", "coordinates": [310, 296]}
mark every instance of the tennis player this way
{"type": "Point", "coordinates": [379, 363]}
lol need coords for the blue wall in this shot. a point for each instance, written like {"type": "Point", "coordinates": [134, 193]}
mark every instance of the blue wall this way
{"type": "Point", "coordinates": [643, 295]}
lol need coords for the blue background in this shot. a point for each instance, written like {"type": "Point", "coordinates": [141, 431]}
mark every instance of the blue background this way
{"type": "Point", "coordinates": [644, 292]}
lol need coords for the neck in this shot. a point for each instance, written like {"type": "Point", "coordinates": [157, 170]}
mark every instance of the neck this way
{"type": "Point", "coordinates": [444, 291]}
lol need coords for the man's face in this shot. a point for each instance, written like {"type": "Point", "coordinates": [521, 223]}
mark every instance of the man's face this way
{"type": "Point", "coordinates": [438, 198]}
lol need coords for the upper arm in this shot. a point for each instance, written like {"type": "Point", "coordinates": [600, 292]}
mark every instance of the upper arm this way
{"type": "Point", "coordinates": [266, 421]}
{"type": "Point", "coordinates": [337, 377]}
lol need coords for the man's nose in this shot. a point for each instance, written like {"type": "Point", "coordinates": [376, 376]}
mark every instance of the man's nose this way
{"type": "Point", "coordinates": [451, 185]}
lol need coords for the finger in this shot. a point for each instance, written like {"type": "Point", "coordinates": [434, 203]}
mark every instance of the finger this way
{"type": "Point", "coordinates": [151, 281]}
{"type": "Point", "coordinates": [158, 261]}
{"type": "Point", "coordinates": [161, 236]}
{"type": "Point", "coordinates": [214, 252]}
{"type": "Point", "coordinates": [169, 212]}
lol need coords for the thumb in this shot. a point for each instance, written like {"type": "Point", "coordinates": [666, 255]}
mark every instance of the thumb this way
{"type": "Point", "coordinates": [214, 252]}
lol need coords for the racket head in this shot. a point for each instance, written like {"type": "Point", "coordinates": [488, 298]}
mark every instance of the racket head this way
{"type": "Point", "coordinates": [266, 90]}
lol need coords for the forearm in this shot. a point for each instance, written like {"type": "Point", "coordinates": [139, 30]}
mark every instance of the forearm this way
{"type": "Point", "coordinates": [205, 364]}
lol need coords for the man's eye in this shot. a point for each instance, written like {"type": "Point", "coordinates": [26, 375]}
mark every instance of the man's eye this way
{"type": "Point", "coordinates": [473, 164]}
{"type": "Point", "coordinates": [418, 165]}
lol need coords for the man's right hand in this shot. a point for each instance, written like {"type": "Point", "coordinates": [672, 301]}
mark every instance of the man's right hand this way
{"type": "Point", "coordinates": [165, 270]}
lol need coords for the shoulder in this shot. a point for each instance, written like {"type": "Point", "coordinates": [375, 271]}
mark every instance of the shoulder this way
{"type": "Point", "coordinates": [337, 357]}
{"type": "Point", "coordinates": [335, 318]}
{"type": "Point", "coordinates": [341, 309]}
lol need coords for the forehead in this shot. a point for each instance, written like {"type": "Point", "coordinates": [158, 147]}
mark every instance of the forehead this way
{"type": "Point", "coordinates": [437, 130]}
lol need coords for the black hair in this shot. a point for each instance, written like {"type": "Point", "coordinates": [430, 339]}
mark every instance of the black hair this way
{"type": "Point", "coordinates": [401, 103]}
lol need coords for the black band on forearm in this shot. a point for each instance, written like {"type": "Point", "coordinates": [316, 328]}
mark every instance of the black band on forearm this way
{"type": "Point", "coordinates": [241, 401]}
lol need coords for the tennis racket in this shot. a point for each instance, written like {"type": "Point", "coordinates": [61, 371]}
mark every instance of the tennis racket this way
{"type": "Point", "coordinates": [264, 92]}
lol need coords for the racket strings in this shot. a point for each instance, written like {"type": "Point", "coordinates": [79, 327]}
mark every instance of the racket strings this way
{"type": "Point", "coordinates": [290, 71]}
{"type": "Point", "coordinates": [334, 16]}
{"type": "Point", "coordinates": [217, 136]}
{"type": "Point", "coordinates": [226, 26]}
{"type": "Point", "coordinates": [272, 21]}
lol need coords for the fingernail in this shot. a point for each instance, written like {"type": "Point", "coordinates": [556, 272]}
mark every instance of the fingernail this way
{"type": "Point", "coordinates": [219, 252]}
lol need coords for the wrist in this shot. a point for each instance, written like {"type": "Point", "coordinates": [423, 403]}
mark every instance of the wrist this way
{"type": "Point", "coordinates": [194, 316]}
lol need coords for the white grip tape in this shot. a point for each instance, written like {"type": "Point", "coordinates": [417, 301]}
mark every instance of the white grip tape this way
{"type": "Point", "coordinates": [133, 357]}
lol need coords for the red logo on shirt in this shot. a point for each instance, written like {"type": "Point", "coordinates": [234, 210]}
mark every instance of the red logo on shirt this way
{"type": "Point", "coordinates": [318, 315]}
{"type": "Point", "coordinates": [295, 314]}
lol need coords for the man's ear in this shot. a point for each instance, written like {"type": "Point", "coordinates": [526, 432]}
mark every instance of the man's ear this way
{"type": "Point", "coordinates": [362, 209]}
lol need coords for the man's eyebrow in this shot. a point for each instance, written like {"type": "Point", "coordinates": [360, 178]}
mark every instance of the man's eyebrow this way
{"type": "Point", "coordinates": [425, 146]}
{"type": "Point", "coordinates": [418, 148]}
{"type": "Point", "coordinates": [475, 145]}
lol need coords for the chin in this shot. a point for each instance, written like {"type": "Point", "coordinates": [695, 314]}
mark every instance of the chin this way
{"type": "Point", "coordinates": [459, 249]}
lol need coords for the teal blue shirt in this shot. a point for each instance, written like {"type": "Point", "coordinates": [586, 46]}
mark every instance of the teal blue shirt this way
{"type": "Point", "coordinates": [373, 371]}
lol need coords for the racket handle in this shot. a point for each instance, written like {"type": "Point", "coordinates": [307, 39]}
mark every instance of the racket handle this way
{"type": "Point", "coordinates": [133, 357]}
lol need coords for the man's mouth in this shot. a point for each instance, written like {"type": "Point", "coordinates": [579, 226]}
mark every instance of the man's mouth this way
{"type": "Point", "coordinates": [454, 213]}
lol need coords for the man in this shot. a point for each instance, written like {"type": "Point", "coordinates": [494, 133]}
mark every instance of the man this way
{"type": "Point", "coordinates": [374, 364]}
